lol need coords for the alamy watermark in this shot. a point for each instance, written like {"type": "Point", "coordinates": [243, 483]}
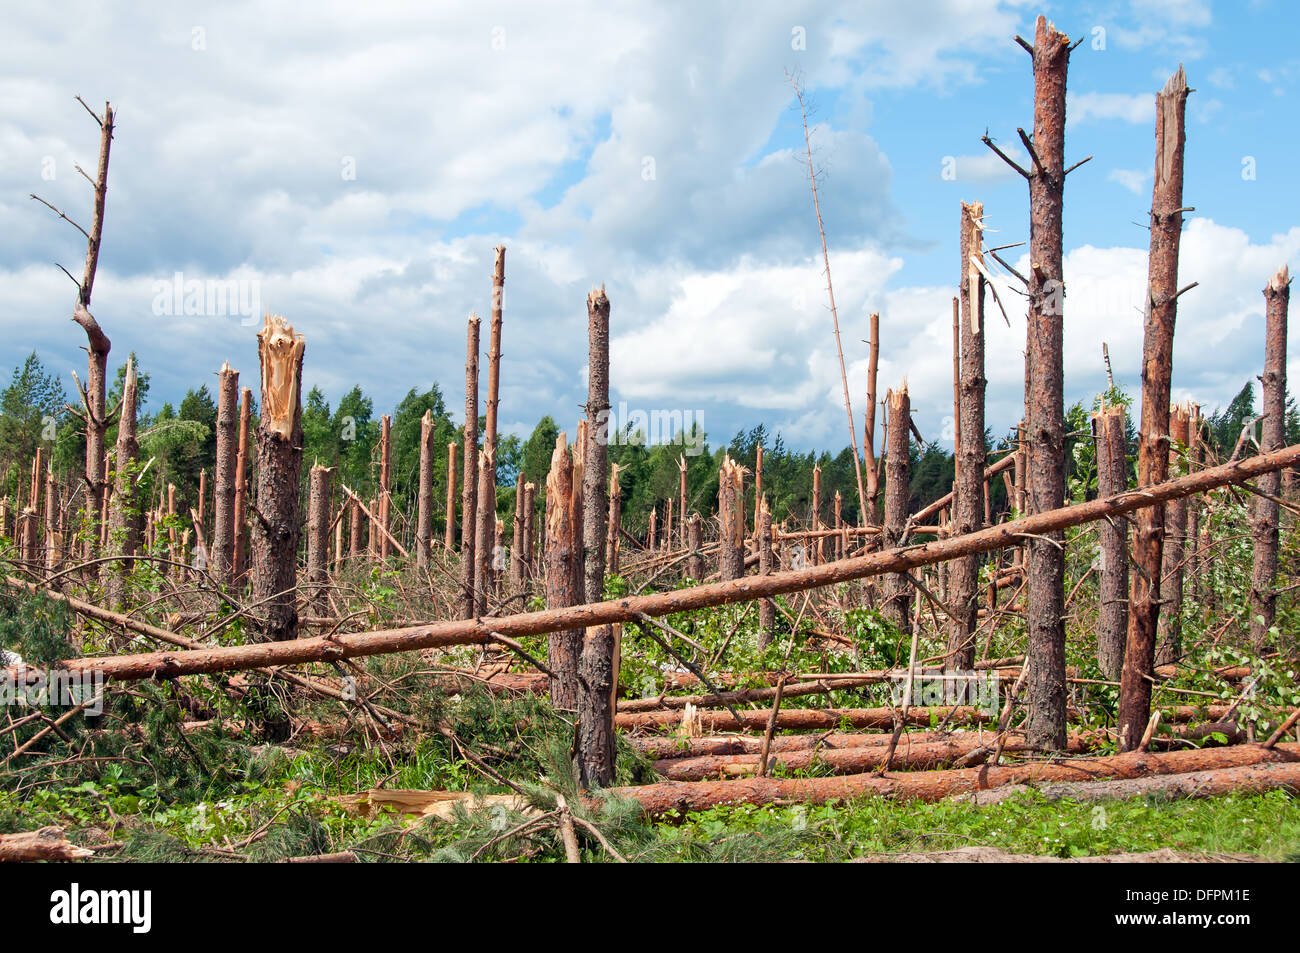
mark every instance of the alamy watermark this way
{"type": "Point", "coordinates": [21, 685]}
{"type": "Point", "coordinates": [644, 428]}
{"type": "Point", "coordinates": [208, 297]}
{"type": "Point", "coordinates": [933, 689]}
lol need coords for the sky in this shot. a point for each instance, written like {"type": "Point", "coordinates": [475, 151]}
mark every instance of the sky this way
{"type": "Point", "coordinates": [353, 169]}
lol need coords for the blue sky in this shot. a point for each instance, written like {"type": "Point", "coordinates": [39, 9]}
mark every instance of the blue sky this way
{"type": "Point", "coordinates": [355, 170]}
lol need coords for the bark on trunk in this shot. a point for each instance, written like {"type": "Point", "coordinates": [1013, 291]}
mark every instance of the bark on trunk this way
{"type": "Point", "coordinates": [276, 527]}
{"type": "Point", "coordinates": [124, 517]}
{"type": "Point", "coordinates": [594, 493]}
{"type": "Point", "coordinates": [1264, 526]}
{"type": "Point", "coordinates": [1157, 367]}
{"type": "Point", "coordinates": [968, 489]}
{"type": "Point", "coordinates": [1112, 478]}
{"type": "Point", "coordinates": [469, 495]}
{"type": "Point", "coordinates": [695, 542]}
{"type": "Point", "coordinates": [766, 607]}
{"type": "Point", "coordinates": [897, 592]}
{"type": "Point", "coordinates": [385, 499]}
{"type": "Point", "coordinates": [615, 521]}
{"type": "Point", "coordinates": [486, 521]}
{"type": "Point", "coordinates": [731, 521]}
{"type": "Point", "coordinates": [564, 575]}
{"type": "Point", "coordinates": [424, 504]}
{"type": "Point", "coordinates": [318, 537]}
{"type": "Point", "coordinates": [1044, 399]}
{"type": "Point", "coordinates": [223, 517]}
{"type": "Point", "coordinates": [869, 435]}
{"type": "Point", "coordinates": [449, 536]}
{"type": "Point", "coordinates": [517, 540]}
{"type": "Point", "coordinates": [240, 530]}
{"type": "Point", "coordinates": [1169, 647]}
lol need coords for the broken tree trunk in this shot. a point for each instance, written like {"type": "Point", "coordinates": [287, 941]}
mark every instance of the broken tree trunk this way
{"type": "Point", "coordinates": [968, 489]}
{"type": "Point", "coordinates": [1169, 646]}
{"type": "Point", "coordinates": [469, 494]}
{"type": "Point", "coordinates": [615, 522]}
{"type": "Point", "coordinates": [424, 498]}
{"type": "Point", "coordinates": [731, 520]}
{"type": "Point", "coordinates": [276, 528]}
{"type": "Point", "coordinates": [695, 542]}
{"type": "Point", "coordinates": [517, 540]}
{"type": "Point", "coordinates": [1112, 478]}
{"type": "Point", "coordinates": [1044, 399]}
{"type": "Point", "coordinates": [1157, 368]}
{"type": "Point", "coordinates": [240, 529]}
{"type": "Point", "coordinates": [485, 523]}
{"type": "Point", "coordinates": [631, 608]}
{"type": "Point", "coordinates": [48, 843]}
{"type": "Point", "coordinates": [318, 537]}
{"type": "Point", "coordinates": [897, 593]}
{"type": "Point", "coordinates": [766, 607]}
{"type": "Point", "coordinates": [564, 576]}
{"type": "Point", "coordinates": [530, 535]}
{"type": "Point", "coordinates": [1264, 525]}
{"type": "Point", "coordinates": [686, 796]}
{"type": "Point", "coordinates": [124, 516]}
{"type": "Point", "coordinates": [594, 493]}
{"type": "Point", "coordinates": [223, 517]}
{"type": "Point", "coordinates": [869, 434]}
{"type": "Point", "coordinates": [449, 535]}
{"type": "Point", "coordinates": [385, 501]}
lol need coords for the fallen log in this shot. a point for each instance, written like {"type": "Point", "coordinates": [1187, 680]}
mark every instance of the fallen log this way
{"type": "Point", "coordinates": [806, 718]}
{"type": "Point", "coordinates": [747, 588]}
{"type": "Point", "coordinates": [48, 843]}
{"type": "Point", "coordinates": [1247, 779]}
{"type": "Point", "coordinates": [683, 796]}
{"type": "Point", "coordinates": [722, 699]}
{"type": "Point", "coordinates": [855, 760]}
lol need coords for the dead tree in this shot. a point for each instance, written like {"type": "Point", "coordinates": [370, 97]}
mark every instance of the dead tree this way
{"type": "Point", "coordinates": [424, 503]}
{"type": "Point", "coordinates": [766, 607]}
{"type": "Point", "coordinates": [469, 493]}
{"type": "Point", "coordinates": [1157, 369]}
{"type": "Point", "coordinates": [1169, 646]}
{"type": "Point", "coordinates": [276, 528]}
{"type": "Point", "coordinates": [1044, 384]}
{"type": "Point", "coordinates": [1112, 478]}
{"type": "Point", "coordinates": [517, 547]}
{"type": "Point", "coordinates": [93, 394]}
{"type": "Point", "coordinates": [485, 522]}
{"type": "Point", "coordinates": [356, 527]}
{"type": "Point", "coordinates": [385, 481]}
{"type": "Point", "coordinates": [530, 535]}
{"type": "Point", "coordinates": [1264, 525]}
{"type": "Point", "coordinates": [816, 522]}
{"type": "Point", "coordinates": [731, 520]}
{"type": "Point", "coordinates": [615, 521]}
{"type": "Point", "coordinates": [318, 537]}
{"type": "Point", "coordinates": [223, 517]}
{"type": "Point", "coordinates": [449, 536]}
{"type": "Point", "coordinates": [564, 575]}
{"type": "Point", "coordinates": [594, 493]}
{"type": "Point", "coordinates": [695, 543]}
{"type": "Point", "coordinates": [240, 529]}
{"type": "Point", "coordinates": [124, 516]}
{"type": "Point", "coordinates": [897, 592]}
{"type": "Point", "coordinates": [968, 489]}
{"type": "Point", "coordinates": [869, 434]}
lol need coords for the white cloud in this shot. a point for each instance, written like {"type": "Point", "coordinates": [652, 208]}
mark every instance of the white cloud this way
{"type": "Point", "coordinates": [1134, 108]}
{"type": "Point", "coordinates": [1132, 179]}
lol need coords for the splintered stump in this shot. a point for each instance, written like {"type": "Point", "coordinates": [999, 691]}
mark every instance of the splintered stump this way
{"type": "Point", "coordinates": [1112, 478]}
{"type": "Point", "coordinates": [564, 583]}
{"type": "Point", "coordinates": [1153, 434]}
{"type": "Point", "coordinates": [897, 591]}
{"type": "Point", "coordinates": [318, 528]}
{"type": "Point", "coordinates": [731, 520]}
{"type": "Point", "coordinates": [276, 530]}
{"type": "Point", "coordinates": [223, 521]}
{"type": "Point", "coordinates": [424, 510]}
{"type": "Point", "coordinates": [1264, 522]}
{"type": "Point", "coordinates": [469, 495]}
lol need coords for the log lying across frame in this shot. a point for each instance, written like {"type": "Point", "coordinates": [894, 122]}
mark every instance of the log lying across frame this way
{"type": "Point", "coordinates": [664, 797]}
{"type": "Point", "coordinates": [747, 588]}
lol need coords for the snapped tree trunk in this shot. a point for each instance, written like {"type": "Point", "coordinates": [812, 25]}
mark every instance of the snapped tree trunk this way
{"type": "Point", "coordinates": [1112, 478]}
{"type": "Point", "coordinates": [276, 528]}
{"type": "Point", "coordinates": [1169, 646]}
{"type": "Point", "coordinates": [695, 542]}
{"type": "Point", "coordinates": [424, 504]}
{"type": "Point", "coordinates": [766, 607]}
{"type": "Point", "coordinates": [318, 537]}
{"type": "Point", "coordinates": [1153, 449]}
{"type": "Point", "coordinates": [897, 592]}
{"type": "Point", "coordinates": [1044, 400]}
{"type": "Point", "coordinates": [564, 575]}
{"type": "Point", "coordinates": [485, 546]}
{"type": "Point", "coordinates": [615, 521]}
{"type": "Point", "coordinates": [1264, 524]}
{"type": "Point", "coordinates": [469, 495]}
{"type": "Point", "coordinates": [869, 434]}
{"type": "Point", "coordinates": [968, 489]}
{"type": "Point", "coordinates": [223, 518]}
{"type": "Point", "coordinates": [385, 482]}
{"type": "Point", "coordinates": [731, 520]}
{"type": "Point", "coordinates": [125, 518]}
{"type": "Point", "coordinates": [449, 535]}
{"type": "Point", "coordinates": [240, 530]}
